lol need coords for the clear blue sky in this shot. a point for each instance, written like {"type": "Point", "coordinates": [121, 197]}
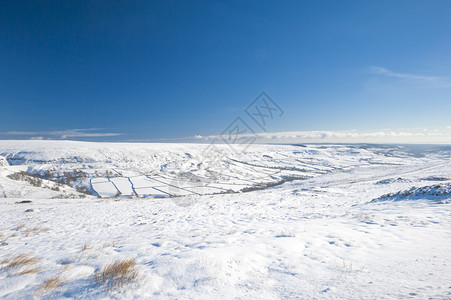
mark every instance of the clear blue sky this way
{"type": "Point", "coordinates": [174, 69]}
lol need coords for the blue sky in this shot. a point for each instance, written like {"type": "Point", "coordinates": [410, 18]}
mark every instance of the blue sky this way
{"type": "Point", "coordinates": [170, 70]}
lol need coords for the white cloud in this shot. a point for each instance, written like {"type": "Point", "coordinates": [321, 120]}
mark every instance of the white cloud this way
{"type": "Point", "coordinates": [352, 136]}
{"type": "Point", "coordinates": [442, 81]}
{"type": "Point", "coordinates": [63, 134]}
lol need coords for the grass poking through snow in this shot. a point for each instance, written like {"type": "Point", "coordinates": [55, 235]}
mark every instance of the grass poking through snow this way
{"type": "Point", "coordinates": [50, 285]}
{"type": "Point", "coordinates": [21, 264]}
{"type": "Point", "coordinates": [117, 274]}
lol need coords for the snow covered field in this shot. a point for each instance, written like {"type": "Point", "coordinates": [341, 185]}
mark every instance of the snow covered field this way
{"type": "Point", "coordinates": [277, 221]}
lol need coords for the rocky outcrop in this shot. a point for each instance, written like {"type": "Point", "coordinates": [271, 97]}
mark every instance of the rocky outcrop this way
{"type": "Point", "coordinates": [440, 193]}
{"type": "Point", "coordinates": [3, 162]}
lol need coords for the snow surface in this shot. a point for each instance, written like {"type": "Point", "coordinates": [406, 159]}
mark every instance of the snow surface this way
{"type": "Point", "coordinates": [365, 222]}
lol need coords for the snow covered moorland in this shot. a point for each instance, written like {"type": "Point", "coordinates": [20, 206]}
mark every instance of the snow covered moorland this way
{"type": "Point", "coordinates": [179, 221]}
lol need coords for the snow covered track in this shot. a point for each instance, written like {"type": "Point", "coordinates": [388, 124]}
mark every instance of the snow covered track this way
{"type": "Point", "coordinates": [320, 237]}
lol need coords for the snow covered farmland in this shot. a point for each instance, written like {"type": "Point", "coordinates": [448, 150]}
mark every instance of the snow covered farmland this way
{"type": "Point", "coordinates": [276, 221]}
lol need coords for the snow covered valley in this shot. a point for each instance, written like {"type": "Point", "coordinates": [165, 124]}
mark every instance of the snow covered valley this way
{"type": "Point", "coordinates": [191, 221]}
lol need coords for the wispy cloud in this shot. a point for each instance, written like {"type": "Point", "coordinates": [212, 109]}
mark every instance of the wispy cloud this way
{"type": "Point", "coordinates": [62, 134]}
{"type": "Point", "coordinates": [352, 136]}
{"type": "Point", "coordinates": [442, 81]}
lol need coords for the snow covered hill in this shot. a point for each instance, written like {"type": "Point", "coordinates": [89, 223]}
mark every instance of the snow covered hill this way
{"type": "Point", "coordinates": [167, 170]}
{"type": "Point", "coordinates": [184, 221]}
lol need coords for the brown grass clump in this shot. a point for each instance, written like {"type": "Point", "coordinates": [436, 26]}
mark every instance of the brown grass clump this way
{"type": "Point", "coordinates": [85, 247]}
{"type": "Point", "coordinates": [117, 274]}
{"type": "Point", "coordinates": [20, 226]}
{"type": "Point", "coordinates": [35, 230]}
{"type": "Point", "coordinates": [50, 285]}
{"type": "Point", "coordinates": [21, 264]}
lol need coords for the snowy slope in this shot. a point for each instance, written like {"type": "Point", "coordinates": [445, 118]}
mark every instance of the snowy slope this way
{"type": "Point", "coordinates": [366, 222]}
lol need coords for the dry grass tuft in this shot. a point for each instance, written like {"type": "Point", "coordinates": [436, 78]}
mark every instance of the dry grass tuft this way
{"type": "Point", "coordinates": [20, 226]}
{"type": "Point", "coordinates": [35, 230]}
{"type": "Point", "coordinates": [50, 285]}
{"type": "Point", "coordinates": [85, 247]}
{"type": "Point", "coordinates": [117, 274]}
{"type": "Point", "coordinates": [29, 270]}
{"type": "Point", "coordinates": [21, 264]}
